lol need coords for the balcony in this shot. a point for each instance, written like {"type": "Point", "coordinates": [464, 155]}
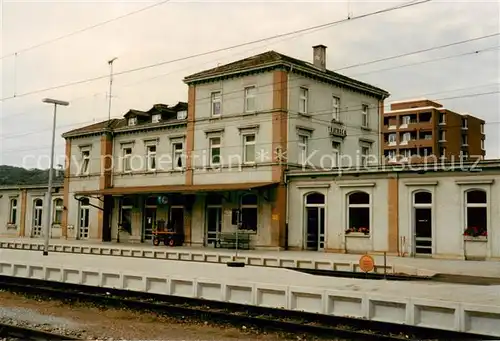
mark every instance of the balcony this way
{"type": "Point", "coordinates": [337, 129]}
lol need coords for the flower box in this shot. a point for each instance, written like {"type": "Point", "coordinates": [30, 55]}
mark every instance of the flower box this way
{"type": "Point", "coordinates": [11, 226]}
{"type": "Point", "coordinates": [476, 239]}
{"type": "Point", "coordinates": [358, 235]}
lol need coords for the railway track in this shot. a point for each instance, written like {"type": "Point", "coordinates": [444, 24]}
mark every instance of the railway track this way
{"type": "Point", "coordinates": [14, 333]}
{"type": "Point", "coordinates": [268, 319]}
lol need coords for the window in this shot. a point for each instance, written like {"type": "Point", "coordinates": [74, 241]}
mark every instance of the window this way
{"type": "Point", "coordinates": [464, 123]}
{"type": "Point", "coordinates": [250, 98]}
{"type": "Point", "coordinates": [126, 214]}
{"type": "Point", "coordinates": [442, 118]}
{"type": "Point", "coordinates": [85, 162]}
{"type": "Point", "coordinates": [336, 153]}
{"type": "Point", "coordinates": [58, 211]}
{"type": "Point", "coordinates": [37, 218]}
{"type": "Point", "coordinates": [132, 121]}
{"type": "Point", "coordinates": [249, 212]}
{"type": "Point", "coordinates": [405, 120]}
{"type": "Point", "coordinates": [482, 128]}
{"type": "Point", "coordinates": [216, 101]}
{"type": "Point", "coordinates": [358, 213]}
{"type": "Point", "coordinates": [156, 118]}
{"type": "Point", "coordinates": [476, 213]}
{"type": "Point", "coordinates": [406, 153]}
{"type": "Point", "coordinates": [482, 144]}
{"type": "Point", "coordinates": [13, 212]}
{"type": "Point", "coordinates": [464, 139]}
{"type": "Point", "coordinates": [303, 100]}
{"type": "Point", "coordinates": [365, 120]}
{"type": "Point", "coordinates": [182, 115]}
{"type": "Point", "coordinates": [178, 151]}
{"type": "Point", "coordinates": [443, 136]}
{"type": "Point", "coordinates": [391, 154]}
{"type": "Point", "coordinates": [127, 154]}
{"type": "Point", "coordinates": [365, 153]}
{"type": "Point", "coordinates": [215, 151]}
{"type": "Point", "coordinates": [249, 148]}
{"type": "Point", "coordinates": [84, 223]}
{"type": "Point", "coordinates": [151, 158]}
{"type": "Point", "coordinates": [443, 152]}
{"type": "Point", "coordinates": [336, 108]}
{"type": "Point", "coordinates": [302, 148]}
{"type": "Point", "coordinates": [406, 137]}
{"type": "Point", "coordinates": [392, 138]}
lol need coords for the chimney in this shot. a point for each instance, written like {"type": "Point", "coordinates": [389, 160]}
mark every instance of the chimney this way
{"type": "Point", "coordinates": [319, 56]}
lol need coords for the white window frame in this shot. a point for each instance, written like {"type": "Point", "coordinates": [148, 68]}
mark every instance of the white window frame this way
{"type": "Point", "coordinates": [182, 114]}
{"type": "Point", "coordinates": [37, 217]}
{"type": "Point", "coordinates": [156, 118]}
{"type": "Point", "coordinates": [465, 123]}
{"type": "Point", "coordinates": [336, 108]}
{"type": "Point", "coordinates": [250, 98]}
{"type": "Point", "coordinates": [391, 154]}
{"type": "Point", "coordinates": [213, 146]}
{"type": "Point", "coordinates": [126, 159]}
{"type": "Point", "coordinates": [444, 152]}
{"type": "Point", "coordinates": [405, 120]}
{"type": "Point", "coordinates": [303, 145]}
{"type": "Point", "coordinates": [392, 138]}
{"type": "Point", "coordinates": [369, 206]}
{"type": "Point", "coordinates": [13, 211]}
{"type": "Point", "coordinates": [247, 144]}
{"type": "Point", "coordinates": [176, 154]}
{"type": "Point", "coordinates": [336, 153]}
{"type": "Point", "coordinates": [132, 121]}
{"type": "Point", "coordinates": [482, 144]}
{"type": "Point", "coordinates": [364, 157]}
{"type": "Point", "coordinates": [83, 220]}
{"type": "Point", "coordinates": [56, 209]}
{"type": "Point", "coordinates": [365, 116]}
{"type": "Point", "coordinates": [406, 138]}
{"type": "Point", "coordinates": [443, 135]}
{"type": "Point", "coordinates": [151, 157]}
{"type": "Point", "coordinates": [443, 121]}
{"type": "Point", "coordinates": [477, 205]}
{"type": "Point", "coordinates": [466, 139]}
{"type": "Point", "coordinates": [482, 128]}
{"type": "Point", "coordinates": [215, 97]}
{"type": "Point", "coordinates": [303, 100]}
{"type": "Point", "coordinates": [85, 168]}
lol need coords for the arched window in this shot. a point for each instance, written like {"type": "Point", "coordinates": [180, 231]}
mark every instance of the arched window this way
{"type": "Point", "coordinates": [314, 221]}
{"type": "Point", "coordinates": [13, 211]}
{"type": "Point", "coordinates": [58, 211]}
{"type": "Point", "coordinates": [315, 199]}
{"type": "Point", "coordinates": [422, 198]}
{"type": "Point", "coordinates": [476, 213]}
{"type": "Point", "coordinates": [83, 228]}
{"type": "Point", "coordinates": [249, 212]}
{"type": "Point", "coordinates": [358, 213]}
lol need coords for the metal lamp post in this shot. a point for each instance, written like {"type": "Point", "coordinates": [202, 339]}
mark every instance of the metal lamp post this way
{"type": "Point", "coordinates": [49, 189]}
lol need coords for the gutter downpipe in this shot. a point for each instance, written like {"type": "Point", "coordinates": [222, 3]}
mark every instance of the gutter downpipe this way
{"type": "Point", "coordinates": [287, 208]}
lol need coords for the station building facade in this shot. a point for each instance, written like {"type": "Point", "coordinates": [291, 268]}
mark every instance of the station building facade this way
{"type": "Point", "coordinates": [442, 211]}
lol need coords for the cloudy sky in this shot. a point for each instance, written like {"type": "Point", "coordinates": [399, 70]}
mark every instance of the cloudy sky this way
{"type": "Point", "coordinates": [180, 28]}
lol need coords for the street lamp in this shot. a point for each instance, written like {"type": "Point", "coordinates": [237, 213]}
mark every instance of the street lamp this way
{"type": "Point", "coordinates": [49, 189]}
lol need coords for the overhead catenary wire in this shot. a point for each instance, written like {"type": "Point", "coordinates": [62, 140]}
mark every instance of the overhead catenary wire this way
{"type": "Point", "coordinates": [368, 133]}
{"type": "Point", "coordinates": [88, 28]}
{"type": "Point", "coordinates": [475, 52]}
{"type": "Point", "coordinates": [145, 67]}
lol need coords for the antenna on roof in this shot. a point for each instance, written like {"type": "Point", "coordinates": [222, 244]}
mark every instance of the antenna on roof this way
{"type": "Point", "coordinates": [110, 63]}
{"type": "Point", "coordinates": [349, 13]}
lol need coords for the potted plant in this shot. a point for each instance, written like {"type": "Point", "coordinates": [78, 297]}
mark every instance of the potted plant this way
{"type": "Point", "coordinates": [361, 229]}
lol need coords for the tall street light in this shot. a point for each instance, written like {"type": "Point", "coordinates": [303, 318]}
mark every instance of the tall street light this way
{"type": "Point", "coordinates": [49, 189]}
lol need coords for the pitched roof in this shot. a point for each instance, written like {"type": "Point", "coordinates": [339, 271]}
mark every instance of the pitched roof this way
{"type": "Point", "coordinates": [96, 127]}
{"type": "Point", "coordinates": [273, 58]}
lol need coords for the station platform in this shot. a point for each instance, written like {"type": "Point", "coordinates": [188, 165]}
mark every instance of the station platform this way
{"type": "Point", "coordinates": [298, 259]}
{"type": "Point", "coordinates": [458, 307]}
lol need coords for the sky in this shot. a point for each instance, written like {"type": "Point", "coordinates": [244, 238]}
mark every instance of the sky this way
{"type": "Point", "coordinates": [178, 29]}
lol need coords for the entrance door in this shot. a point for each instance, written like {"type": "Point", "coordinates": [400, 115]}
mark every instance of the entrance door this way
{"type": "Point", "coordinates": [149, 223]}
{"type": "Point", "coordinates": [214, 223]}
{"type": "Point", "coordinates": [315, 222]}
{"type": "Point", "coordinates": [37, 218]}
{"type": "Point", "coordinates": [177, 219]}
{"type": "Point", "coordinates": [423, 231]}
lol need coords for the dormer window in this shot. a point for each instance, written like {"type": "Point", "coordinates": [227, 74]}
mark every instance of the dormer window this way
{"type": "Point", "coordinates": [182, 115]}
{"type": "Point", "coordinates": [132, 121]}
{"type": "Point", "coordinates": [156, 118]}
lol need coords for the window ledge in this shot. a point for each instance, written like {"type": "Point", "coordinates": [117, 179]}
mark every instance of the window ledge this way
{"type": "Point", "coordinates": [11, 227]}
{"type": "Point", "coordinates": [246, 231]}
{"type": "Point", "coordinates": [306, 115]}
{"type": "Point", "coordinates": [476, 239]}
{"type": "Point", "coordinates": [357, 235]}
{"type": "Point", "coordinates": [56, 226]}
{"type": "Point", "coordinates": [366, 128]}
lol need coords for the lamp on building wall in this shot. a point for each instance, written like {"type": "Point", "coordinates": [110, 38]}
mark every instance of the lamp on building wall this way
{"type": "Point", "coordinates": [49, 187]}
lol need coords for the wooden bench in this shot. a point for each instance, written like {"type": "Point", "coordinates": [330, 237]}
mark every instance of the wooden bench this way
{"type": "Point", "coordinates": [227, 240]}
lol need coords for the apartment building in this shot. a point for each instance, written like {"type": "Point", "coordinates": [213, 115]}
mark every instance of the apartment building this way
{"type": "Point", "coordinates": [23, 211]}
{"type": "Point", "coordinates": [423, 130]}
{"type": "Point", "coordinates": [228, 147]}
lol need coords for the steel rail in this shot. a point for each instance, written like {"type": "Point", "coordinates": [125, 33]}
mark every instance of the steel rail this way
{"type": "Point", "coordinates": [269, 319]}
{"type": "Point", "coordinates": [11, 332]}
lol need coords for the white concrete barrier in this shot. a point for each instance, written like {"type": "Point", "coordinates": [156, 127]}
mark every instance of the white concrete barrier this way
{"type": "Point", "coordinates": [254, 259]}
{"type": "Point", "coordinates": [437, 314]}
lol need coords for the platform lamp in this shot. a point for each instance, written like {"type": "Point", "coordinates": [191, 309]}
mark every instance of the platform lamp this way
{"type": "Point", "coordinates": [49, 187]}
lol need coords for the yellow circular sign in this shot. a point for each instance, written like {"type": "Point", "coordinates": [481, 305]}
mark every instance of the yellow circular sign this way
{"type": "Point", "coordinates": [366, 263]}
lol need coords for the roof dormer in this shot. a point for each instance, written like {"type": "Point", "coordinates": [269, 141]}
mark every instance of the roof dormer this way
{"type": "Point", "coordinates": [135, 117]}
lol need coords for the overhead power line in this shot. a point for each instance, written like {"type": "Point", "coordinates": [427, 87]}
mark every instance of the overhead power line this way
{"type": "Point", "coordinates": [317, 27]}
{"type": "Point", "coordinates": [85, 29]}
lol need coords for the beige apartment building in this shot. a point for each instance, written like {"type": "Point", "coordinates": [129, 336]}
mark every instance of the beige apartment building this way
{"type": "Point", "coordinates": [421, 129]}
